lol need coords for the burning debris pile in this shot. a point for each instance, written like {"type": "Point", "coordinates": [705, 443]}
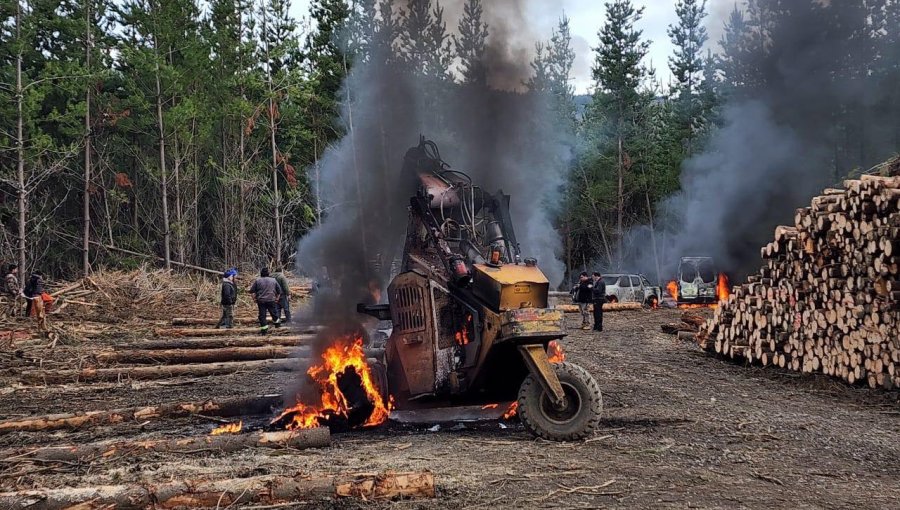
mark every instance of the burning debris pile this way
{"type": "Point", "coordinates": [828, 298]}
{"type": "Point", "coordinates": [345, 392]}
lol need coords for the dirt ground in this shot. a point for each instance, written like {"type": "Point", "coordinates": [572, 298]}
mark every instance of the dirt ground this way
{"type": "Point", "coordinates": [681, 429]}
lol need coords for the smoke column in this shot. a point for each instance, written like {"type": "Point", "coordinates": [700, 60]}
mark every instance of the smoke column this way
{"type": "Point", "coordinates": [811, 94]}
{"type": "Point", "coordinates": [502, 138]}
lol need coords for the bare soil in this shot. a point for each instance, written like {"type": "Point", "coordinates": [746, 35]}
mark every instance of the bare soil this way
{"type": "Point", "coordinates": [681, 429]}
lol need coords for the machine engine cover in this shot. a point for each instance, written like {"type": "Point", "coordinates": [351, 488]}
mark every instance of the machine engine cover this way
{"type": "Point", "coordinates": [510, 286]}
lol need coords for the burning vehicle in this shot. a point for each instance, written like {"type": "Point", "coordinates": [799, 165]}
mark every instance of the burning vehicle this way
{"type": "Point", "coordinates": [471, 323]}
{"type": "Point", "coordinates": [699, 283]}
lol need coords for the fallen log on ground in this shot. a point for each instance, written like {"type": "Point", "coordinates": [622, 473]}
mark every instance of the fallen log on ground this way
{"type": "Point", "coordinates": [607, 307]}
{"type": "Point", "coordinates": [675, 328]}
{"type": "Point", "coordinates": [218, 342]}
{"type": "Point", "coordinates": [224, 408]}
{"type": "Point", "coordinates": [211, 321]}
{"type": "Point", "coordinates": [181, 356]}
{"type": "Point", "coordinates": [159, 372]}
{"type": "Point", "coordinates": [269, 490]}
{"type": "Point", "coordinates": [201, 332]}
{"type": "Point", "coordinates": [227, 443]}
{"type": "Point", "coordinates": [178, 356]}
{"type": "Point", "coordinates": [171, 371]}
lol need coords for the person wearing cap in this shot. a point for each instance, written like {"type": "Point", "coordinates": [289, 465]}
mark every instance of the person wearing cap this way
{"type": "Point", "coordinates": [266, 292]}
{"type": "Point", "coordinates": [228, 299]}
{"type": "Point", "coordinates": [582, 295]}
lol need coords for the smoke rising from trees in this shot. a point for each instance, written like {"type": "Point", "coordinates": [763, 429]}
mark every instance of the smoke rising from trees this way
{"type": "Point", "coordinates": [810, 94]}
{"type": "Point", "coordinates": [502, 138]}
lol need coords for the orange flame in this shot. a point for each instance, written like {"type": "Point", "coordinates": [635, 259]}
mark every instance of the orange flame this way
{"type": "Point", "coordinates": [490, 406]}
{"type": "Point", "coordinates": [462, 336]}
{"type": "Point", "coordinates": [513, 409]}
{"type": "Point", "coordinates": [672, 287]}
{"type": "Point", "coordinates": [229, 428]}
{"type": "Point", "coordinates": [723, 288]}
{"type": "Point", "coordinates": [555, 352]}
{"type": "Point", "coordinates": [346, 353]}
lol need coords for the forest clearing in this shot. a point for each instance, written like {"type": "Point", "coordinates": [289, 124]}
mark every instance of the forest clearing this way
{"type": "Point", "coordinates": [680, 429]}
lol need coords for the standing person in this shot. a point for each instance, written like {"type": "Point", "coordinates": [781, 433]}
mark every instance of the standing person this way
{"type": "Point", "coordinates": [32, 292]}
{"type": "Point", "coordinates": [13, 290]}
{"type": "Point", "coordinates": [582, 295]}
{"type": "Point", "coordinates": [598, 297]}
{"type": "Point", "coordinates": [284, 304]}
{"type": "Point", "coordinates": [229, 298]}
{"type": "Point", "coordinates": [265, 292]}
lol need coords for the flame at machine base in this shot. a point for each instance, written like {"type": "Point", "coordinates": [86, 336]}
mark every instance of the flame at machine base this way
{"type": "Point", "coordinates": [349, 397]}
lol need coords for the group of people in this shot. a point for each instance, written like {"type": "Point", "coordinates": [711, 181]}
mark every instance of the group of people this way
{"type": "Point", "coordinates": [590, 291]}
{"type": "Point", "coordinates": [271, 293]}
{"type": "Point", "coordinates": [32, 293]}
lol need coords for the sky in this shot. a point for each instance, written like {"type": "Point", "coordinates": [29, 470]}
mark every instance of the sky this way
{"type": "Point", "coordinates": [587, 17]}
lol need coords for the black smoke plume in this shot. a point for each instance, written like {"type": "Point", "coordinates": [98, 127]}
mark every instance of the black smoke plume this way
{"type": "Point", "coordinates": [502, 137]}
{"type": "Point", "coordinates": [820, 99]}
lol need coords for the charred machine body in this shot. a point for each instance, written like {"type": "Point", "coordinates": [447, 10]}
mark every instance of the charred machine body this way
{"type": "Point", "coordinates": [470, 315]}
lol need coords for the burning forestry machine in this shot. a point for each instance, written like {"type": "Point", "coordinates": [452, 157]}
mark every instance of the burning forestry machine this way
{"type": "Point", "coordinates": [471, 323]}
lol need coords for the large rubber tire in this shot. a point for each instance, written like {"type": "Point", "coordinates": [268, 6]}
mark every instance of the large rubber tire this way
{"type": "Point", "coordinates": [578, 420]}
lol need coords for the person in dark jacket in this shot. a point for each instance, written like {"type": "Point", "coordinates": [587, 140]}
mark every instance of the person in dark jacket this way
{"type": "Point", "coordinates": [266, 292]}
{"type": "Point", "coordinates": [284, 303]}
{"type": "Point", "coordinates": [33, 291]}
{"type": "Point", "coordinates": [229, 298]}
{"type": "Point", "coordinates": [582, 296]}
{"type": "Point", "coordinates": [598, 297]}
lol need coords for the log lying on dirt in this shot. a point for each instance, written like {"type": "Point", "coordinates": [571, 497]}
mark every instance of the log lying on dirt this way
{"type": "Point", "coordinates": [691, 322]}
{"type": "Point", "coordinates": [824, 299]}
{"type": "Point", "coordinates": [203, 321]}
{"type": "Point", "coordinates": [218, 343]}
{"type": "Point", "coordinates": [297, 439]}
{"type": "Point", "coordinates": [607, 307]}
{"type": "Point", "coordinates": [171, 371]}
{"type": "Point", "coordinates": [177, 356]}
{"type": "Point", "coordinates": [270, 490]}
{"type": "Point", "coordinates": [201, 332]}
{"type": "Point", "coordinates": [158, 372]}
{"type": "Point", "coordinates": [248, 406]}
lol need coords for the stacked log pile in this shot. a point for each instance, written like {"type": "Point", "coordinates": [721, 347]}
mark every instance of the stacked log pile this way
{"type": "Point", "coordinates": [827, 298]}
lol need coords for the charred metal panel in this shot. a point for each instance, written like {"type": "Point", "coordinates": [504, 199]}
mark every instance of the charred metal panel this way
{"type": "Point", "coordinates": [413, 339]}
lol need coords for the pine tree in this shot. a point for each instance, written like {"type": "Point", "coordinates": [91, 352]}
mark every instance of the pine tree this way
{"type": "Point", "coordinates": [734, 57]}
{"type": "Point", "coordinates": [688, 36]}
{"type": "Point", "coordinates": [618, 72]}
{"type": "Point", "coordinates": [470, 43]}
{"type": "Point", "coordinates": [424, 41]}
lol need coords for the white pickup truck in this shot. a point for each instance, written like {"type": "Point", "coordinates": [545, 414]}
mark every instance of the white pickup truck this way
{"type": "Point", "coordinates": [631, 288]}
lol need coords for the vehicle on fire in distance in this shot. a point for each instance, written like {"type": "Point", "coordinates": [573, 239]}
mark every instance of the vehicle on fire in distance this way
{"type": "Point", "coordinates": [697, 281]}
{"type": "Point", "coordinates": [631, 288]}
{"type": "Point", "coordinates": [470, 317]}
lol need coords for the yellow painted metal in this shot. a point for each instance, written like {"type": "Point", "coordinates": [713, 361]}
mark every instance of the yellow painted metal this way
{"type": "Point", "coordinates": [511, 286]}
{"type": "Point", "coordinates": [533, 322]}
{"type": "Point", "coordinates": [540, 367]}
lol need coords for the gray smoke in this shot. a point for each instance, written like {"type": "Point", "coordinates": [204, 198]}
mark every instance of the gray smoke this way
{"type": "Point", "coordinates": [815, 107]}
{"type": "Point", "coordinates": [503, 139]}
